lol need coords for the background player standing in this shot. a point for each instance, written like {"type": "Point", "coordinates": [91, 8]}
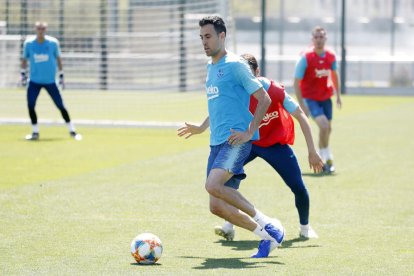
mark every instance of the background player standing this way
{"type": "Point", "coordinates": [44, 56]}
{"type": "Point", "coordinates": [315, 80]}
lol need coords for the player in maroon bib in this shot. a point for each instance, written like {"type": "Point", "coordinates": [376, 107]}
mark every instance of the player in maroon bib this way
{"type": "Point", "coordinates": [316, 80]}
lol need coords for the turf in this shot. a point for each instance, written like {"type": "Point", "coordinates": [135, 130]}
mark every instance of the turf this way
{"type": "Point", "coordinates": [72, 208]}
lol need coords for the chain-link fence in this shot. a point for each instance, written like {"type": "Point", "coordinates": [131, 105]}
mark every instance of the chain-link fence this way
{"type": "Point", "coordinates": [113, 44]}
{"type": "Point", "coordinates": [154, 44]}
{"type": "Point", "coordinates": [379, 38]}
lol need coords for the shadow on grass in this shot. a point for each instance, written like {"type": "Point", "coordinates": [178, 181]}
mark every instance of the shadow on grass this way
{"type": "Point", "coordinates": [290, 243]}
{"type": "Point", "coordinates": [233, 263]}
{"type": "Point", "coordinates": [237, 263]}
{"type": "Point", "coordinates": [253, 244]}
{"type": "Point", "coordinates": [144, 265]}
{"type": "Point", "coordinates": [319, 174]}
{"type": "Point", "coordinates": [239, 245]}
{"type": "Point", "coordinates": [43, 140]}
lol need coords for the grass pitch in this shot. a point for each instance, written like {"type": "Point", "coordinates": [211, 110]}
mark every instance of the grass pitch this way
{"type": "Point", "coordinates": [72, 208]}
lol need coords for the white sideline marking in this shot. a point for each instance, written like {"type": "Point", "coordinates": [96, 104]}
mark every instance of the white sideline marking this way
{"type": "Point", "coordinates": [98, 123]}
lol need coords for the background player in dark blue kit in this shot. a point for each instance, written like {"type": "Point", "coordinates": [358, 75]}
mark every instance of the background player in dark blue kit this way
{"type": "Point", "coordinates": [43, 53]}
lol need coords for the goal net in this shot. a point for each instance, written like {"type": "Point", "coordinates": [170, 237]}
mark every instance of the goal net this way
{"type": "Point", "coordinates": [115, 44]}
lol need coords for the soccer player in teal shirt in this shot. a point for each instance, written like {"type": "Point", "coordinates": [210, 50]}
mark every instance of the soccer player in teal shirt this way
{"type": "Point", "coordinates": [43, 53]}
{"type": "Point", "coordinates": [229, 85]}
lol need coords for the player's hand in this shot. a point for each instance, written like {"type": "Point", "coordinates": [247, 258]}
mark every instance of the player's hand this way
{"type": "Point", "coordinates": [62, 80]}
{"type": "Point", "coordinates": [338, 103]}
{"type": "Point", "coordinates": [23, 78]}
{"type": "Point", "coordinates": [315, 162]}
{"type": "Point", "coordinates": [189, 130]}
{"type": "Point", "coordinates": [238, 138]}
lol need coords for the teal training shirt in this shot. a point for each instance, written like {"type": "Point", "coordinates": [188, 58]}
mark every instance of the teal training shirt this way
{"type": "Point", "coordinates": [229, 85]}
{"type": "Point", "coordinates": [42, 58]}
{"type": "Point", "coordinates": [288, 103]}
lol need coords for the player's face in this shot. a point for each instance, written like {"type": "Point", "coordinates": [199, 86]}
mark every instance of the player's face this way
{"type": "Point", "coordinates": [319, 39]}
{"type": "Point", "coordinates": [212, 42]}
{"type": "Point", "coordinates": [40, 31]}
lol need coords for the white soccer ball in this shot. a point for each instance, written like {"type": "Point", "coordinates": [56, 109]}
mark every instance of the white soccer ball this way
{"type": "Point", "coordinates": [146, 248]}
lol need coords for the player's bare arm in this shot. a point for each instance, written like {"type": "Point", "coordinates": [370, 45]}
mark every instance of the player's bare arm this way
{"type": "Point", "coordinates": [24, 64]}
{"type": "Point", "coordinates": [315, 161]}
{"type": "Point", "coordinates": [189, 129]}
{"type": "Point", "coordinates": [338, 89]}
{"type": "Point", "coordinates": [61, 75]}
{"type": "Point", "coordinates": [263, 104]}
{"type": "Point", "coordinates": [298, 93]}
{"type": "Point", "coordinates": [23, 73]}
{"type": "Point", "coordinates": [60, 64]}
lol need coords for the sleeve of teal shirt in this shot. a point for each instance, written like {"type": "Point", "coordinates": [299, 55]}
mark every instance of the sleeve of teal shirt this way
{"type": "Point", "coordinates": [334, 65]}
{"type": "Point", "coordinates": [289, 103]}
{"type": "Point", "coordinates": [245, 77]}
{"type": "Point", "coordinates": [265, 82]}
{"type": "Point", "coordinates": [57, 50]}
{"type": "Point", "coordinates": [301, 67]}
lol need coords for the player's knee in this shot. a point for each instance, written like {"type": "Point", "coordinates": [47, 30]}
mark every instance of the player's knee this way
{"type": "Point", "coordinates": [300, 191]}
{"type": "Point", "coordinates": [213, 189]}
{"type": "Point", "coordinates": [322, 122]}
{"type": "Point", "coordinates": [216, 209]}
{"type": "Point", "coordinates": [297, 186]}
{"type": "Point", "coordinates": [324, 127]}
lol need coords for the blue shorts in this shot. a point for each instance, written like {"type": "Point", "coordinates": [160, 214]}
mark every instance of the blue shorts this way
{"type": "Point", "coordinates": [229, 158]}
{"type": "Point", "coordinates": [284, 162]}
{"type": "Point", "coordinates": [317, 108]}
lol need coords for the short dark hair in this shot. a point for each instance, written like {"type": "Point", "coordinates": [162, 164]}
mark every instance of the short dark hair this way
{"type": "Point", "coordinates": [251, 60]}
{"type": "Point", "coordinates": [318, 29]}
{"type": "Point", "coordinates": [216, 21]}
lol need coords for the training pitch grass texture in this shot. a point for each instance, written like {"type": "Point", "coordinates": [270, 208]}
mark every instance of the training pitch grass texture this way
{"type": "Point", "coordinates": [72, 208]}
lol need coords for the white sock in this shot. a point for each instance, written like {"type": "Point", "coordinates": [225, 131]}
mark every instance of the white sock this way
{"type": "Point", "coordinates": [35, 128]}
{"type": "Point", "coordinates": [70, 126]}
{"type": "Point", "coordinates": [323, 154]}
{"type": "Point", "coordinates": [304, 227]}
{"type": "Point", "coordinates": [263, 235]}
{"type": "Point", "coordinates": [227, 226]}
{"type": "Point", "coordinates": [261, 218]}
{"type": "Point", "coordinates": [329, 155]}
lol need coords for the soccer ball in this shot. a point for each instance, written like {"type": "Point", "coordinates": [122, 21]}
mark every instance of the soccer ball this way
{"type": "Point", "coordinates": [146, 248]}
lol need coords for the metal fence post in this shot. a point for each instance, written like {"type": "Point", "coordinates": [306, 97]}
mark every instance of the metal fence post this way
{"type": "Point", "coordinates": [182, 48]}
{"type": "Point", "coordinates": [103, 28]}
{"type": "Point", "coordinates": [343, 49]}
{"type": "Point", "coordinates": [262, 39]}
